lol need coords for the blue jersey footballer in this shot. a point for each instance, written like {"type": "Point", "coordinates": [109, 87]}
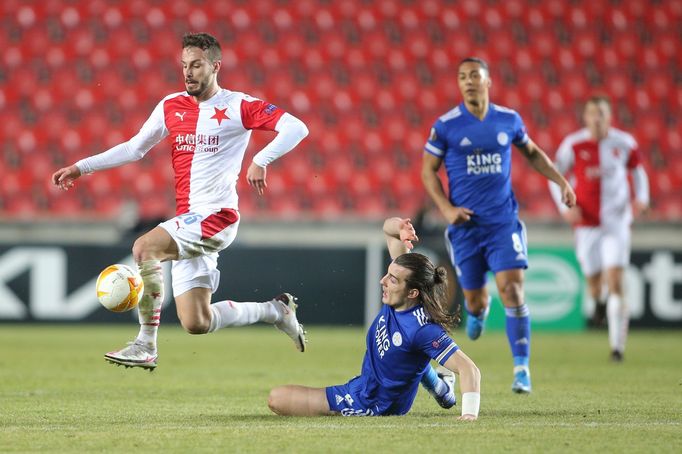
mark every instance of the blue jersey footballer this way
{"type": "Point", "coordinates": [408, 332]}
{"type": "Point", "coordinates": [473, 142]}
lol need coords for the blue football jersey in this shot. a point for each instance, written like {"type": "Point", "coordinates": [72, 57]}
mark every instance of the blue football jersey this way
{"type": "Point", "coordinates": [477, 158]}
{"type": "Point", "coordinates": [399, 347]}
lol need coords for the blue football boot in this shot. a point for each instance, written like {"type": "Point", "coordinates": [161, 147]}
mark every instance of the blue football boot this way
{"type": "Point", "coordinates": [521, 383]}
{"type": "Point", "coordinates": [476, 323]}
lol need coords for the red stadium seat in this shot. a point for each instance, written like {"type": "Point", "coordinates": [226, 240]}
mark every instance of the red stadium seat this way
{"type": "Point", "coordinates": [369, 79]}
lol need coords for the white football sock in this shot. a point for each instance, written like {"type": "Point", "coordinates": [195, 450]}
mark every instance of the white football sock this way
{"type": "Point", "coordinates": [149, 309]}
{"type": "Point", "coordinates": [619, 321]}
{"type": "Point", "coordinates": [231, 313]}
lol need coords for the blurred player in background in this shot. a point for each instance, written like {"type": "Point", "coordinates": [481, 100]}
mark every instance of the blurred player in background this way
{"type": "Point", "coordinates": [484, 234]}
{"type": "Point", "coordinates": [210, 128]}
{"type": "Point", "coordinates": [599, 157]}
{"type": "Point", "coordinates": [410, 329]}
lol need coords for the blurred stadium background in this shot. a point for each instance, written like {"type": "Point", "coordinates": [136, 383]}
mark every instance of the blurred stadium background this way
{"type": "Point", "coordinates": [368, 78]}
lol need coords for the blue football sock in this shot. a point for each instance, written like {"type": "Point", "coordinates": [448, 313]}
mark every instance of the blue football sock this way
{"type": "Point", "coordinates": [431, 382]}
{"type": "Point", "coordinates": [518, 333]}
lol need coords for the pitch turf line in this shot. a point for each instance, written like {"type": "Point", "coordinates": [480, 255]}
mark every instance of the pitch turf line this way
{"type": "Point", "coordinates": [58, 394]}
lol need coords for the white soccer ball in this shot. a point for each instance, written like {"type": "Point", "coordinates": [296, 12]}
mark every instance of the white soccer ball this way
{"type": "Point", "coordinates": [119, 288]}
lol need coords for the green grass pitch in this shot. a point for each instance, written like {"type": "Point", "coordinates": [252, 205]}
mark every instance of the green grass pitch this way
{"type": "Point", "coordinates": [209, 395]}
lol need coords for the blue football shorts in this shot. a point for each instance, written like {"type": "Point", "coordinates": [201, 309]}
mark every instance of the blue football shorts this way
{"type": "Point", "coordinates": [343, 399]}
{"type": "Point", "coordinates": [476, 249]}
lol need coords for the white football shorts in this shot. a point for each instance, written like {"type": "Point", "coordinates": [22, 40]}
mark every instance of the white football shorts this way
{"type": "Point", "coordinates": [600, 248]}
{"type": "Point", "coordinates": [200, 236]}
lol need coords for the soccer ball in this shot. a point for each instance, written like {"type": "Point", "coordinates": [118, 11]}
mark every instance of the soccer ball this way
{"type": "Point", "coordinates": [119, 288]}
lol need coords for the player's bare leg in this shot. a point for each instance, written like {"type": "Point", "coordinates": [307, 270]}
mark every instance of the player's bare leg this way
{"type": "Point", "coordinates": [618, 314]}
{"type": "Point", "coordinates": [294, 400]}
{"type": "Point", "coordinates": [198, 316]}
{"type": "Point", "coordinates": [510, 285]}
{"type": "Point", "coordinates": [149, 251]}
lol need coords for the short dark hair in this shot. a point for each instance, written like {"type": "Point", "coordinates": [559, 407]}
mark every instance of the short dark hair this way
{"type": "Point", "coordinates": [205, 42]}
{"type": "Point", "coordinates": [596, 99]}
{"type": "Point", "coordinates": [480, 61]}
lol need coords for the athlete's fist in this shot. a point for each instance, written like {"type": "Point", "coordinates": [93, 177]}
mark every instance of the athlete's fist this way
{"type": "Point", "coordinates": [64, 177]}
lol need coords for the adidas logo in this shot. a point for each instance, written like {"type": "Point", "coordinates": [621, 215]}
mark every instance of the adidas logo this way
{"type": "Point", "coordinates": [522, 341]}
{"type": "Point", "coordinates": [464, 142]}
{"type": "Point", "coordinates": [521, 256]}
{"type": "Point", "coordinates": [339, 399]}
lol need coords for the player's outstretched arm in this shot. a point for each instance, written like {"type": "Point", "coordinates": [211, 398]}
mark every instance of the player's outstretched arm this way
{"type": "Point", "coordinates": [290, 132]}
{"type": "Point", "coordinates": [541, 162]}
{"type": "Point", "coordinates": [640, 183]}
{"type": "Point", "coordinates": [399, 234]}
{"type": "Point", "coordinates": [469, 383]}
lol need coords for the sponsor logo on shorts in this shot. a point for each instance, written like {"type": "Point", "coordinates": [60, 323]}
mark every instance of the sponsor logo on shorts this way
{"type": "Point", "coordinates": [351, 412]}
{"type": "Point", "coordinates": [349, 400]}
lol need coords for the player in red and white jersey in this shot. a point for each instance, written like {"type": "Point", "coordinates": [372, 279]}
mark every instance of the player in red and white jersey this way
{"type": "Point", "coordinates": [600, 157]}
{"type": "Point", "coordinates": [210, 129]}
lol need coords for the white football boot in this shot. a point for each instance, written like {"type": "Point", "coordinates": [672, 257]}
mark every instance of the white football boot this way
{"type": "Point", "coordinates": [286, 305]}
{"type": "Point", "coordinates": [133, 355]}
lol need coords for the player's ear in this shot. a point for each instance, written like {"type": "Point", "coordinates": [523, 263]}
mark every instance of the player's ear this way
{"type": "Point", "coordinates": [216, 66]}
{"type": "Point", "coordinates": [413, 293]}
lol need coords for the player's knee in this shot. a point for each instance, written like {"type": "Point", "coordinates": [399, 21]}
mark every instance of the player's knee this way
{"type": "Point", "coordinates": [275, 400]}
{"type": "Point", "coordinates": [196, 325]}
{"type": "Point", "coordinates": [512, 293]}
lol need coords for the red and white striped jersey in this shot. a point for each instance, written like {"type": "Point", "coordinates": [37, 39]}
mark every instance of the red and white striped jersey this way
{"type": "Point", "coordinates": [209, 141]}
{"type": "Point", "coordinates": [600, 174]}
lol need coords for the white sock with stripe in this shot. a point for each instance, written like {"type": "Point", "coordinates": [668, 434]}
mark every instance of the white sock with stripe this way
{"type": "Point", "coordinates": [149, 309]}
{"type": "Point", "coordinates": [230, 313]}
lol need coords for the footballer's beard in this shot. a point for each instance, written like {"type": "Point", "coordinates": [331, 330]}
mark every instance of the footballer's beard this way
{"type": "Point", "coordinates": [201, 87]}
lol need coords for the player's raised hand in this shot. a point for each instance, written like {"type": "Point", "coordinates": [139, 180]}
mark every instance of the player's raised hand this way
{"type": "Point", "coordinates": [568, 195]}
{"type": "Point", "coordinates": [64, 177]}
{"type": "Point", "coordinates": [457, 215]}
{"type": "Point", "coordinates": [255, 176]}
{"type": "Point", "coordinates": [407, 233]}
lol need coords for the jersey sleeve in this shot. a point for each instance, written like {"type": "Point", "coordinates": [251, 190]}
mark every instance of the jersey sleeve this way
{"type": "Point", "coordinates": [635, 157]}
{"type": "Point", "coordinates": [259, 114]}
{"type": "Point", "coordinates": [520, 134]}
{"type": "Point", "coordinates": [436, 144]}
{"type": "Point", "coordinates": [152, 132]}
{"type": "Point", "coordinates": [435, 342]}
